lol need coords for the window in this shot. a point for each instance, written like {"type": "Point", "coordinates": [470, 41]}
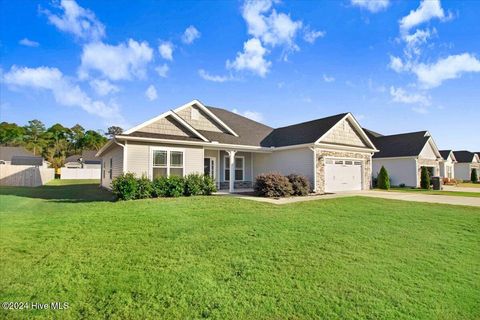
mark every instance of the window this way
{"type": "Point", "coordinates": [338, 162]}
{"type": "Point", "coordinates": [111, 170]}
{"type": "Point", "coordinates": [239, 168]}
{"type": "Point", "coordinates": [348, 163]}
{"type": "Point", "coordinates": [167, 163]}
{"type": "Point", "coordinates": [104, 170]}
{"type": "Point", "coordinates": [358, 163]}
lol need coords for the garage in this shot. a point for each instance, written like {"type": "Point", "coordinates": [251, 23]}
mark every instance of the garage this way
{"type": "Point", "coordinates": [343, 175]}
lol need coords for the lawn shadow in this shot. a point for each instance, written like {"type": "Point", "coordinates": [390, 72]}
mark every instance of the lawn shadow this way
{"type": "Point", "coordinates": [61, 193]}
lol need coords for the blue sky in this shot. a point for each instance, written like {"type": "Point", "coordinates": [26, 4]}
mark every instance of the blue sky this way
{"type": "Point", "coordinates": [398, 66]}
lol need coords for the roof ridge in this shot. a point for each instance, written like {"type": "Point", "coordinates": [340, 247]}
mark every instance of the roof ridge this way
{"type": "Point", "coordinates": [310, 121]}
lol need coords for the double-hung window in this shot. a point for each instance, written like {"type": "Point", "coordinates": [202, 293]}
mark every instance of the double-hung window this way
{"type": "Point", "coordinates": [167, 163]}
{"type": "Point", "coordinates": [239, 168]}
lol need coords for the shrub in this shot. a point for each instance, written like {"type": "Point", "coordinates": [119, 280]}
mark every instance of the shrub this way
{"type": "Point", "coordinates": [474, 176]}
{"type": "Point", "coordinates": [125, 186]}
{"type": "Point", "coordinates": [424, 179]}
{"type": "Point", "coordinates": [208, 185]}
{"type": "Point", "coordinates": [193, 184]}
{"type": "Point", "coordinates": [144, 188]}
{"type": "Point", "coordinates": [383, 181]}
{"type": "Point", "coordinates": [159, 187]}
{"type": "Point", "coordinates": [175, 186]}
{"type": "Point", "coordinates": [402, 185]}
{"type": "Point", "coordinates": [273, 185]}
{"type": "Point", "coordinates": [300, 184]}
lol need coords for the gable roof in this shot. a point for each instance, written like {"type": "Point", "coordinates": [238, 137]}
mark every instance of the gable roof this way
{"type": "Point", "coordinates": [464, 156]}
{"type": "Point", "coordinates": [401, 145]}
{"type": "Point", "coordinates": [87, 155]}
{"type": "Point", "coordinates": [6, 153]}
{"type": "Point", "coordinates": [26, 161]}
{"type": "Point", "coordinates": [372, 134]}
{"type": "Point", "coordinates": [446, 153]}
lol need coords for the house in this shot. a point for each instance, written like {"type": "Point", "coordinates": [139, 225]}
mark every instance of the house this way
{"type": "Point", "coordinates": [447, 164]}
{"type": "Point", "coordinates": [334, 153]}
{"type": "Point", "coordinates": [404, 155]}
{"type": "Point", "coordinates": [466, 162]}
{"type": "Point", "coordinates": [86, 159]}
{"type": "Point", "coordinates": [20, 156]}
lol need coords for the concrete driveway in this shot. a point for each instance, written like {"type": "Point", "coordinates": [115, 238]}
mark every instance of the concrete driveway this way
{"type": "Point", "coordinates": [404, 196]}
{"type": "Point", "coordinates": [460, 189]}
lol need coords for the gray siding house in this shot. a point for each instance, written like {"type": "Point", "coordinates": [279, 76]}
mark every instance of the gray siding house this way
{"type": "Point", "coordinates": [334, 152]}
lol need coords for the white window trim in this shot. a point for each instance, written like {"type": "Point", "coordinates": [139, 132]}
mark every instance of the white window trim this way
{"type": "Point", "coordinates": [214, 172]}
{"type": "Point", "coordinates": [225, 168]}
{"type": "Point", "coordinates": [168, 150]}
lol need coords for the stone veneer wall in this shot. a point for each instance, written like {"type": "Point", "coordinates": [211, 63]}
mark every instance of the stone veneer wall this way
{"type": "Point", "coordinates": [427, 163]}
{"type": "Point", "coordinates": [320, 171]}
{"type": "Point", "coordinates": [237, 185]}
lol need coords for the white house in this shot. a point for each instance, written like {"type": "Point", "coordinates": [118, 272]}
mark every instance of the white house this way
{"type": "Point", "coordinates": [447, 164]}
{"type": "Point", "coordinates": [466, 162]}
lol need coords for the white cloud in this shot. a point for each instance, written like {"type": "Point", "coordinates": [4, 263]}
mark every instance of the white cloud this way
{"type": "Point", "coordinates": [166, 50]}
{"type": "Point", "coordinates": [76, 20]}
{"type": "Point", "coordinates": [451, 67]}
{"type": "Point", "coordinates": [190, 35]}
{"type": "Point", "coordinates": [65, 92]}
{"type": "Point", "coordinates": [311, 35]}
{"type": "Point", "coordinates": [28, 43]}
{"type": "Point", "coordinates": [120, 62]}
{"type": "Point", "coordinates": [272, 28]}
{"type": "Point", "coordinates": [151, 93]}
{"type": "Point", "coordinates": [371, 5]}
{"type": "Point", "coordinates": [416, 40]}
{"type": "Point", "coordinates": [253, 115]}
{"type": "Point", "coordinates": [251, 59]}
{"type": "Point", "coordinates": [214, 78]}
{"type": "Point", "coordinates": [103, 87]}
{"type": "Point", "coordinates": [397, 64]}
{"type": "Point", "coordinates": [402, 96]}
{"type": "Point", "coordinates": [327, 78]}
{"type": "Point", "coordinates": [427, 10]}
{"type": "Point", "coordinates": [162, 70]}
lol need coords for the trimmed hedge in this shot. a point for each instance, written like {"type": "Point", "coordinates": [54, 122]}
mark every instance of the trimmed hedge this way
{"type": "Point", "coordinates": [474, 176]}
{"type": "Point", "coordinates": [424, 179]}
{"type": "Point", "coordinates": [300, 184]}
{"type": "Point", "coordinates": [129, 187]}
{"type": "Point", "coordinates": [383, 180]}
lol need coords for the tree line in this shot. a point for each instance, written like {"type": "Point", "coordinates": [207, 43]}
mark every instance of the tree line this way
{"type": "Point", "coordinates": [55, 143]}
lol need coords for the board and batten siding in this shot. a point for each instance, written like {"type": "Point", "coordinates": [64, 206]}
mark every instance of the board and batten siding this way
{"type": "Point", "coordinates": [138, 157]}
{"type": "Point", "coordinates": [399, 170]}
{"type": "Point", "coordinates": [298, 160]}
{"type": "Point", "coordinates": [116, 154]}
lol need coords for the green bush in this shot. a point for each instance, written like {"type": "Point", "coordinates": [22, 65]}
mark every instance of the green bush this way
{"type": "Point", "coordinates": [208, 185]}
{"type": "Point", "coordinates": [474, 176]}
{"type": "Point", "coordinates": [159, 186]}
{"type": "Point", "coordinates": [300, 184]}
{"type": "Point", "coordinates": [383, 180]}
{"type": "Point", "coordinates": [175, 186]}
{"type": "Point", "coordinates": [273, 185]}
{"type": "Point", "coordinates": [424, 179]}
{"type": "Point", "coordinates": [125, 186]}
{"type": "Point", "coordinates": [193, 184]}
{"type": "Point", "coordinates": [144, 188]}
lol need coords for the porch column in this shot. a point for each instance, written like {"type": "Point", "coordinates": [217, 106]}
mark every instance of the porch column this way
{"type": "Point", "coordinates": [231, 156]}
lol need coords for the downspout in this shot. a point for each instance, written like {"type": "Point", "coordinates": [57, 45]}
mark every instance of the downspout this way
{"type": "Point", "coordinates": [314, 169]}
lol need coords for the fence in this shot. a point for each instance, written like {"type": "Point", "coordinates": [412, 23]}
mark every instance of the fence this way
{"type": "Point", "coordinates": [80, 173]}
{"type": "Point", "coordinates": [24, 176]}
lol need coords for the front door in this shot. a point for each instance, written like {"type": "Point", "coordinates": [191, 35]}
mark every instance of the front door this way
{"type": "Point", "coordinates": [209, 167]}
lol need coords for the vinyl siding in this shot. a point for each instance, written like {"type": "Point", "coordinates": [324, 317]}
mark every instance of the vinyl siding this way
{"type": "Point", "coordinates": [204, 122]}
{"type": "Point", "coordinates": [299, 161]}
{"type": "Point", "coordinates": [344, 134]}
{"type": "Point", "coordinates": [166, 125]}
{"type": "Point", "coordinates": [116, 154]}
{"type": "Point", "coordinates": [463, 171]}
{"type": "Point", "coordinates": [138, 157]}
{"type": "Point", "coordinates": [428, 152]}
{"type": "Point", "coordinates": [399, 170]}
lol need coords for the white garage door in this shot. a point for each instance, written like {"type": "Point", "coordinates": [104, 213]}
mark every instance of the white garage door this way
{"type": "Point", "coordinates": [343, 175]}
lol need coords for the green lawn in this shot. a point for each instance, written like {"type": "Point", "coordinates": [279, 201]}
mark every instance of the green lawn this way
{"type": "Point", "coordinates": [227, 258]}
{"type": "Point", "coordinates": [436, 192]}
{"type": "Point", "coordinates": [469, 185]}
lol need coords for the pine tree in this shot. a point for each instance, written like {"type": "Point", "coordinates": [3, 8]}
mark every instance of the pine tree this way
{"type": "Point", "coordinates": [383, 181]}
{"type": "Point", "coordinates": [425, 179]}
{"type": "Point", "coordinates": [474, 176]}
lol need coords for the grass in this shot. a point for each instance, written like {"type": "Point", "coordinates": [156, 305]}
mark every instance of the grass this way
{"type": "Point", "coordinates": [436, 192]}
{"type": "Point", "coordinates": [223, 257]}
{"type": "Point", "coordinates": [469, 185]}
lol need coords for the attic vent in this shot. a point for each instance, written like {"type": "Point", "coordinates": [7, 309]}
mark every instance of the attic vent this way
{"type": "Point", "coordinates": [195, 114]}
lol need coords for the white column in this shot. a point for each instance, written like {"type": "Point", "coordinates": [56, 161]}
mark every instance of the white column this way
{"type": "Point", "coordinates": [231, 156]}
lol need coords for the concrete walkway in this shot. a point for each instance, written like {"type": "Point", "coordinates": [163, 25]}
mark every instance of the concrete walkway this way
{"type": "Point", "coordinates": [404, 196]}
{"type": "Point", "coordinates": [461, 189]}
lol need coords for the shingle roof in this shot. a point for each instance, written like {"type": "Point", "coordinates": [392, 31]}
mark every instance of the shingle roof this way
{"type": "Point", "coordinates": [6, 153]}
{"type": "Point", "coordinates": [27, 161]}
{"type": "Point", "coordinates": [464, 156]}
{"type": "Point", "coordinates": [87, 155]}
{"type": "Point", "coordinates": [400, 145]}
{"type": "Point", "coordinates": [372, 134]}
{"type": "Point", "coordinates": [161, 136]}
{"type": "Point", "coordinates": [445, 153]}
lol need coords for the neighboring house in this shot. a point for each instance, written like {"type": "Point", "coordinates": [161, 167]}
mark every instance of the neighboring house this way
{"type": "Point", "coordinates": [334, 153]}
{"type": "Point", "coordinates": [404, 155]}
{"type": "Point", "coordinates": [86, 160]}
{"type": "Point", "coordinates": [20, 156]}
{"type": "Point", "coordinates": [447, 165]}
{"type": "Point", "coordinates": [466, 162]}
